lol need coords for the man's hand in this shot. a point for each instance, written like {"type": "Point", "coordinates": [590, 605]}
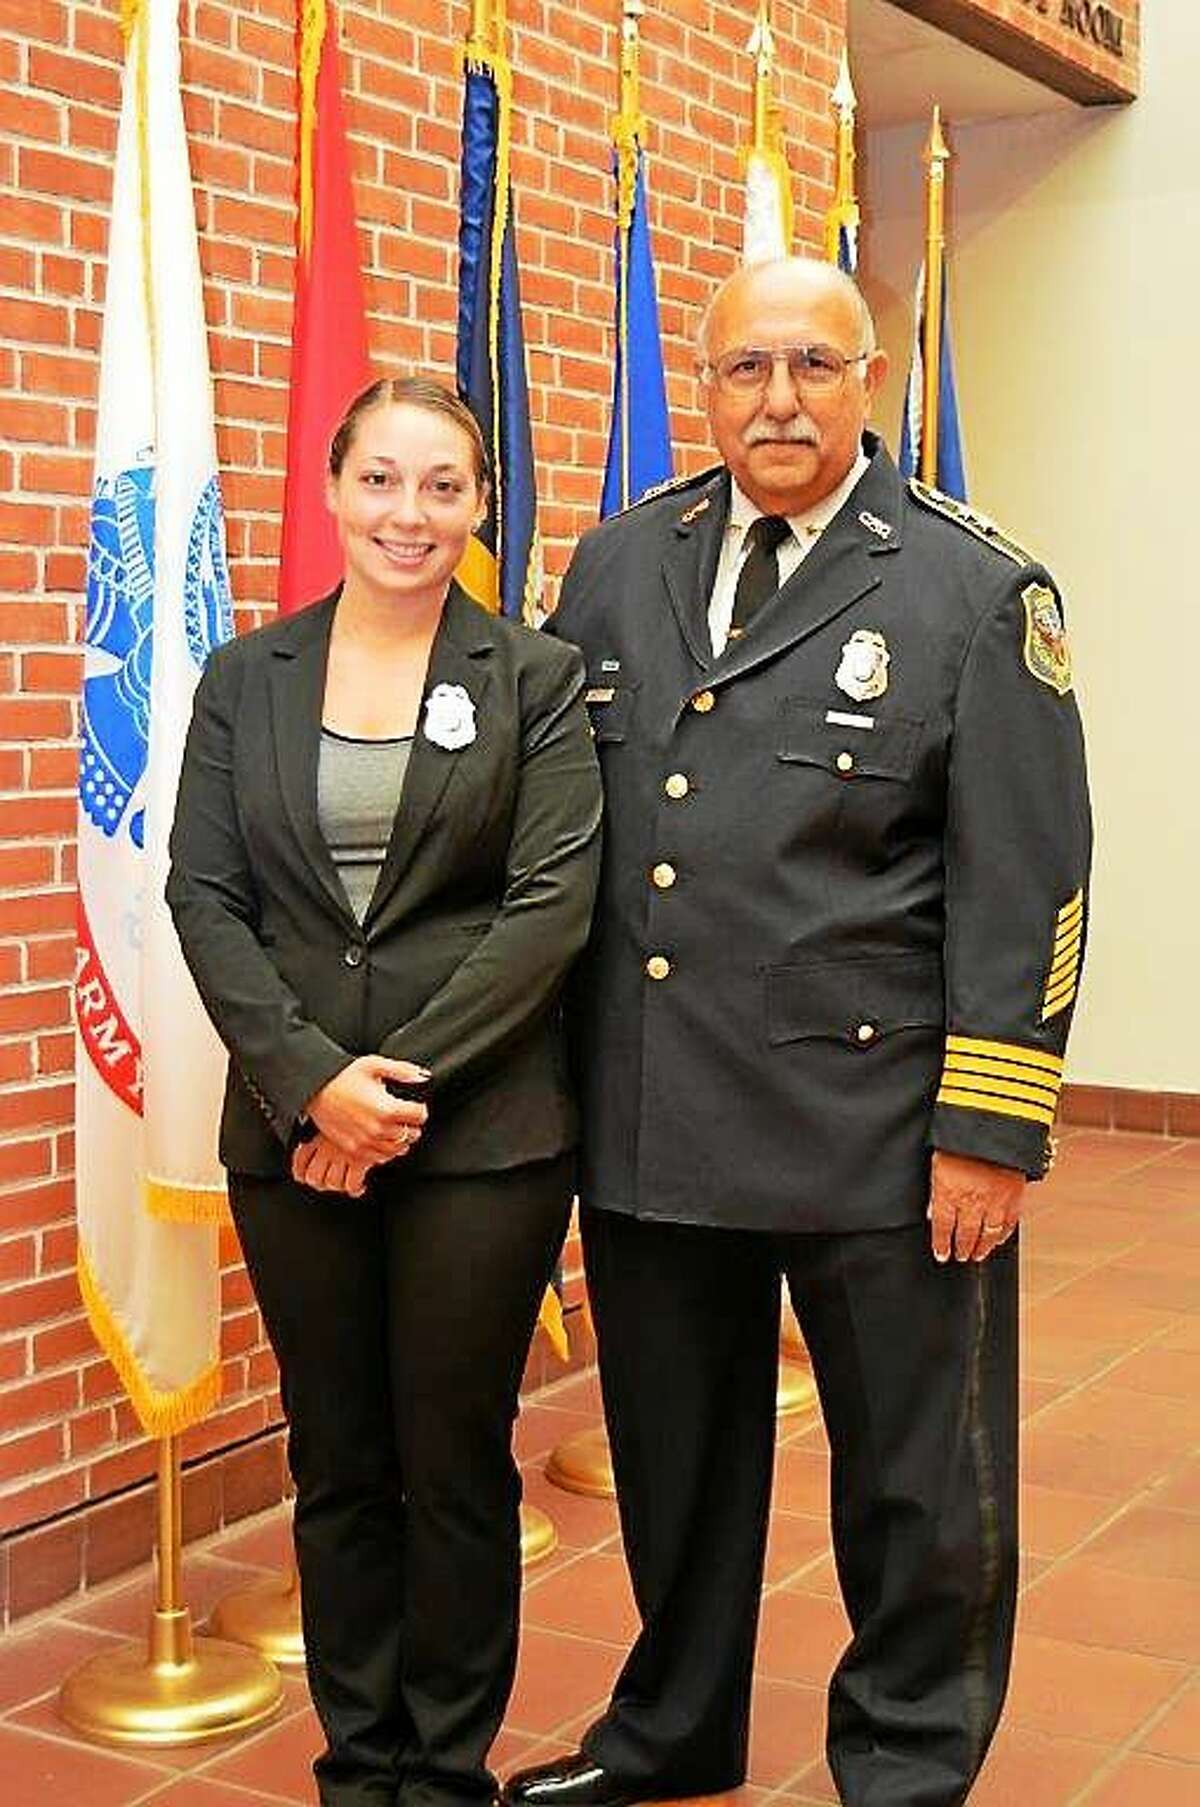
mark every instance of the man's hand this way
{"type": "Point", "coordinates": [974, 1206]}
{"type": "Point", "coordinates": [357, 1113]}
{"type": "Point", "coordinates": [320, 1163]}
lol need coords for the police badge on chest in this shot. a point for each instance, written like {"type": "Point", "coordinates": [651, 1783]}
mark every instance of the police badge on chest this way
{"type": "Point", "coordinates": [862, 673]}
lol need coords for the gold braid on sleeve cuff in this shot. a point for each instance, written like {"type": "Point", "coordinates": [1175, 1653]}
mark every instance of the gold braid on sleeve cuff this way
{"type": "Point", "coordinates": [1001, 1077]}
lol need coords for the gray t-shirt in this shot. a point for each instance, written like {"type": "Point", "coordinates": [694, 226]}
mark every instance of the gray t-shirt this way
{"type": "Point", "coordinates": [358, 792]}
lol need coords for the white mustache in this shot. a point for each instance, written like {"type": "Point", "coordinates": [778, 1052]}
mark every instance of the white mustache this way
{"type": "Point", "coordinates": [792, 432]}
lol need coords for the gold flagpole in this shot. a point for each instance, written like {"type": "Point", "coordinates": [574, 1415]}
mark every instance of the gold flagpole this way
{"type": "Point", "coordinates": [764, 122]}
{"type": "Point", "coordinates": [174, 1692]}
{"type": "Point", "coordinates": [844, 210]}
{"type": "Point", "coordinates": [487, 27]}
{"type": "Point", "coordinates": [936, 157]}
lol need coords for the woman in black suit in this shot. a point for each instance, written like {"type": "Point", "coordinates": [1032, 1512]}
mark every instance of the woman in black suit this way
{"type": "Point", "coordinates": [383, 863]}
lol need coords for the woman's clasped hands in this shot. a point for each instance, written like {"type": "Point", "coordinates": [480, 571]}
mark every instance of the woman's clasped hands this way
{"type": "Point", "coordinates": [360, 1123]}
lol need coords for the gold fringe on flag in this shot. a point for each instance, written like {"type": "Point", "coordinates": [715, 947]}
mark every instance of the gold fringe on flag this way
{"type": "Point", "coordinates": [159, 1414]}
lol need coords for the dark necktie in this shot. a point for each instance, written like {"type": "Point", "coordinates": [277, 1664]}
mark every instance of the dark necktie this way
{"type": "Point", "coordinates": [759, 575]}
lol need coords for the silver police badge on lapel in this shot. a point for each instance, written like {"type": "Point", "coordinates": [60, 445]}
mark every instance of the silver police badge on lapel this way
{"type": "Point", "coordinates": [449, 717]}
{"type": "Point", "coordinates": [863, 671]}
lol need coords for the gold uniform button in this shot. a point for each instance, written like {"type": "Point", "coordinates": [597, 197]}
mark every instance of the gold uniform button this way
{"type": "Point", "coordinates": [664, 876]}
{"type": "Point", "coordinates": [657, 966]}
{"type": "Point", "coordinates": [676, 785]}
{"type": "Point", "coordinates": [866, 1032]}
{"type": "Point", "coordinates": [703, 701]}
{"type": "Point", "coordinates": [844, 762]}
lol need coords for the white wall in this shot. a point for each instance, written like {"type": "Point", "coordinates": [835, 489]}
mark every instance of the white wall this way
{"type": "Point", "coordinates": [1075, 245]}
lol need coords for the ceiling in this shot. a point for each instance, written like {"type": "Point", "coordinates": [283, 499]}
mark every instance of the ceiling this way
{"type": "Point", "coordinates": [900, 66]}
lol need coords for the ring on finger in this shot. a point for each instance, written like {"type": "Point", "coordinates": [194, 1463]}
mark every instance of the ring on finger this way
{"type": "Point", "coordinates": [994, 1229]}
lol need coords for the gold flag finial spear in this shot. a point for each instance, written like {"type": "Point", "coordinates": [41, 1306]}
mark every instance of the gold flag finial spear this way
{"type": "Point", "coordinates": [937, 155]}
{"type": "Point", "coordinates": [844, 210]}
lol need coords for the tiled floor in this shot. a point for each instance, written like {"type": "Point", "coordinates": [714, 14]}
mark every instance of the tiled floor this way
{"type": "Point", "coordinates": [1105, 1699]}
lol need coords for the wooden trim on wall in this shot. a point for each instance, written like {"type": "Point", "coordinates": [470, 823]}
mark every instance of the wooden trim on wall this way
{"type": "Point", "coordinates": [1121, 1107]}
{"type": "Point", "coordinates": [1009, 43]}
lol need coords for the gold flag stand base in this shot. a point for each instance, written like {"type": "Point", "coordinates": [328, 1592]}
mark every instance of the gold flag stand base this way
{"type": "Point", "coordinates": [796, 1392]}
{"type": "Point", "coordinates": [538, 1536]}
{"type": "Point", "coordinates": [176, 1693]}
{"type": "Point", "coordinates": [266, 1616]}
{"type": "Point", "coordinates": [170, 1693]}
{"type": "Point", "coordinates": [583, 1464]}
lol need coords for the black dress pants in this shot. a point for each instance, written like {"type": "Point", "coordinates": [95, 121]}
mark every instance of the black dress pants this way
{"type": "Point", "coordinates": [401, 1323]}
{"type": "Point", "coordinates": [916, 1365]}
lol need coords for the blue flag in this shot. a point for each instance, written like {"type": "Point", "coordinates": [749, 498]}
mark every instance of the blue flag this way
{"type": "Point", "coordinates": [502, 567]}
{"type": "Point", "coordinates": [951, 477]}
{"type": "Point", "coordinates": [639, 441]}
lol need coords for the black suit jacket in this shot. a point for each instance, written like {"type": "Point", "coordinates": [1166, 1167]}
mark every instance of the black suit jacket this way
{"type": "Point", "coordinates": [483, 901]}
{"type": "Point", "coordinates": [865, 916]}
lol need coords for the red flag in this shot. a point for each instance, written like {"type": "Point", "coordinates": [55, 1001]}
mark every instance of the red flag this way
{"type": "Point", "coordinates": [329, 328]}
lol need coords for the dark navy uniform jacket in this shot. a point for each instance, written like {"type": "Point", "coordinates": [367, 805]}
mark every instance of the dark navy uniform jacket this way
{"type": "Point", "coordinates": [833, 932]}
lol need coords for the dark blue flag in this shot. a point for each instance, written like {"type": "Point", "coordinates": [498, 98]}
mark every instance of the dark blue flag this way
{"type": "Point", "coordinates": [639, 441]}
{"type": "Point", "coordinates": [502, 567]}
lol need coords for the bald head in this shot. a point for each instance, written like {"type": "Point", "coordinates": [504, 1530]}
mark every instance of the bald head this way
{"type": "Point", "coordinates": [789, 442]}
{"type": "Point", "coordinates": [793, 277]}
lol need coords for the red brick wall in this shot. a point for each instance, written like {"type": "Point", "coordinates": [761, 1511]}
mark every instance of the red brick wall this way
{"type": "Point", "coordinates": [66, 1435]}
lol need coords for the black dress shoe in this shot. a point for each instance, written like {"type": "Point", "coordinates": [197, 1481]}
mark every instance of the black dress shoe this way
{"type": "Point", "coordinates": [573, 1781]}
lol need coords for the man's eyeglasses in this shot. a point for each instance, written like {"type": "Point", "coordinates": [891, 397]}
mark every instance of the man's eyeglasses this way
{"type": "Point", "coordinates": [749, 369]}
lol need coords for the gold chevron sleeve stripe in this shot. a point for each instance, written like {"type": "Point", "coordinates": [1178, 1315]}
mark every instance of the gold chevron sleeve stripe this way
{"type": "Point", "coordinates": [1053, 1005]}
{"type": "Point", "coordinates": [1066, 942]}
{"type": "Point", "coordinates": [1062, 975]}
{"type": "Point", "coordinates": [1062, 980]}
{"type": "Point", "coordinates": [999, 1107]}
{"type": "Point", "coordinates": [1003, 1074]}
{"type": "Point", "coordinates": [965, 1079]}
{"type": "Point", "coordinates": [1012, 1054]}
{"type": "Point", "coordinates": [1000, 1077]}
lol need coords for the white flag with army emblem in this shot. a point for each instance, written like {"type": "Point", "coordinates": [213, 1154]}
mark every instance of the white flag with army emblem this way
{"type": "Point", "coordinates": [149, 1066]}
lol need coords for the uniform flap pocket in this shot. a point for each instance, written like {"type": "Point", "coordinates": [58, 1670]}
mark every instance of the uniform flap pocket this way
{"type": "Point", "coordinates": [609, 702]}
{"type": "Point", "coordinates": [865, 740]}
{"type": "Point", "coordinates": [854, 1001]}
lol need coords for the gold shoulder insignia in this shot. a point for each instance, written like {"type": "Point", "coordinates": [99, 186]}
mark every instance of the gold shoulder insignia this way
{"type": "Point", "coordinates": [669, 485]}
{"type": "Point", "coordinates": [1047, 654]}
{"type": "Point", "coordinates": [981, 525]}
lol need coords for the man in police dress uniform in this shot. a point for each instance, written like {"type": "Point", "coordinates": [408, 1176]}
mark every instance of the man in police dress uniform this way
{"type": "Point", "coordinates": [821, 1025]}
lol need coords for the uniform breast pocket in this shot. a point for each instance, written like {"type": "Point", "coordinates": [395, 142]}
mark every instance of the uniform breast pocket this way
{"type": "Point", "coordinates": [858, 1002]}
{"type": "Point", "coordinates": [609, 707]}
{"type": "Point", "coordinates": [849, 743]}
